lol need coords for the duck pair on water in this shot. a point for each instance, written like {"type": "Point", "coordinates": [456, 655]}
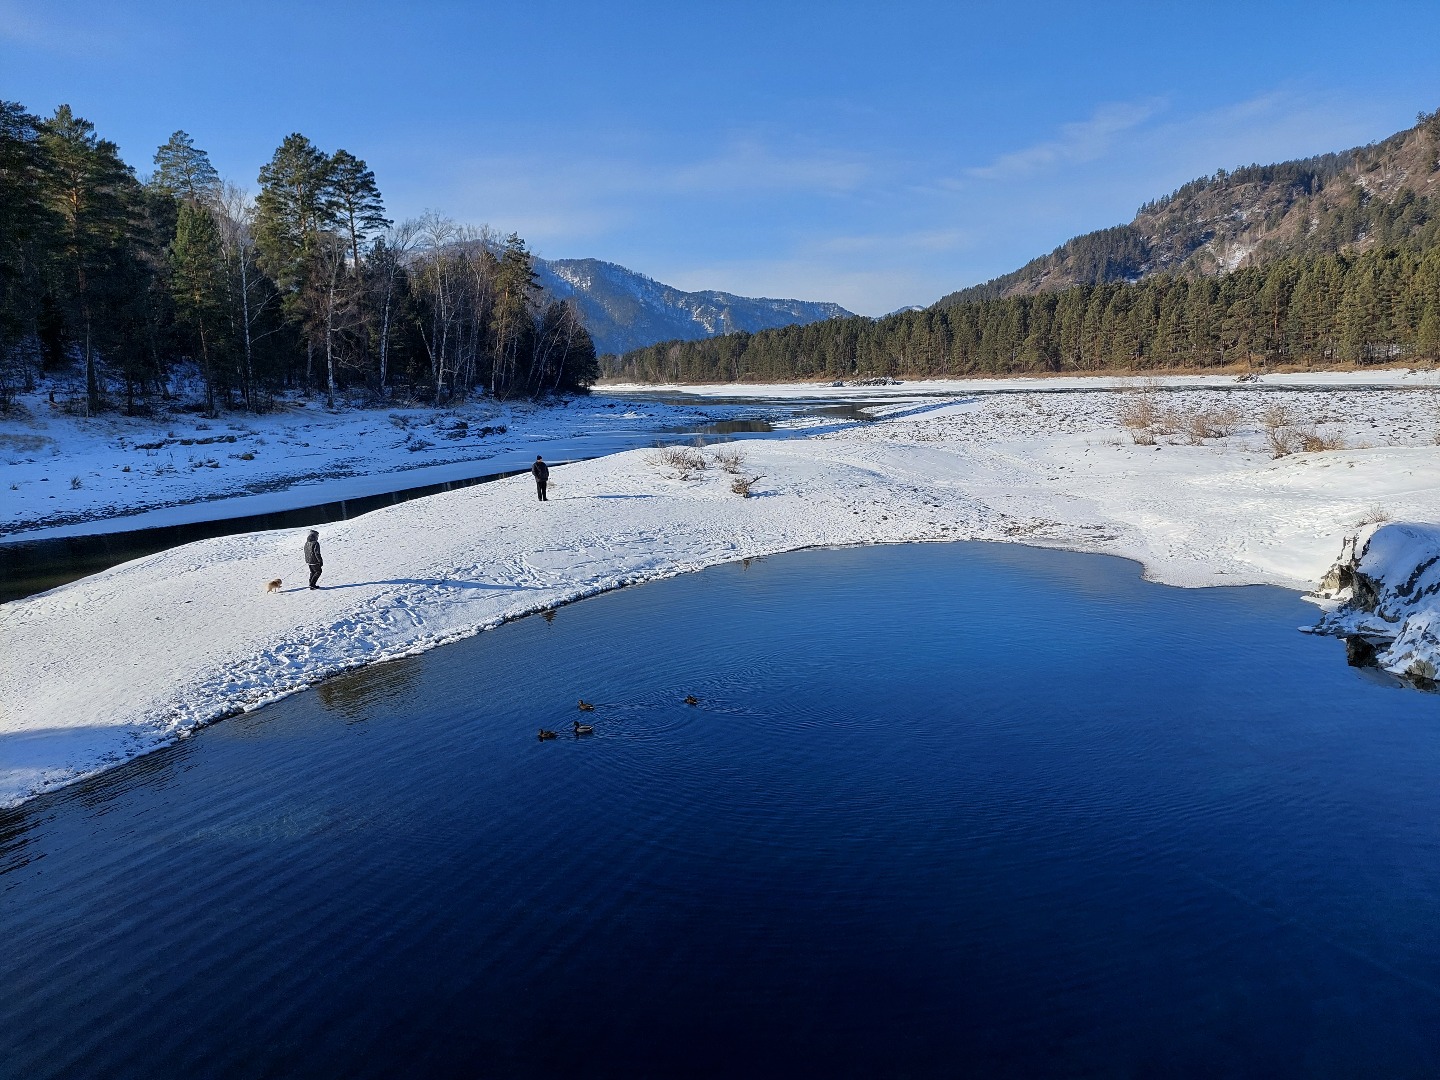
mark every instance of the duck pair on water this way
{"type": "Point", "coordinates": [585, 706]}
{"type": "Point", "coordinates": [580, 729]}
{"type": "Point", "coordinates": [587, 729]}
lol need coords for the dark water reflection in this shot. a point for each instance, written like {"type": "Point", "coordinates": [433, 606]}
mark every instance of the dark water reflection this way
{"type": "Point", "coordinates": [942, 810]}
{"type": "Point", "coordinates": [32, 566]}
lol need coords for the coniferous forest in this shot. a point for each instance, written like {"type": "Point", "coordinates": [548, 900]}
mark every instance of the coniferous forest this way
{"type": "Point", "coordinates": [306, 285]}
{"type": "Point", "coordinates": [1379, 307]}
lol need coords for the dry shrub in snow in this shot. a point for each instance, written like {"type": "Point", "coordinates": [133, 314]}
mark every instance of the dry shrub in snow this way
{"type": "Point", "coordinates": [1139, 412]}
{"type": "Point", "coordinates": [1376, 515]}
{"type": "Point", "coordinates": [730, 460]}
{"type": "Point", "coordinates": [1192, 426]}
{"type": "Point", "coordinates": [684, 458]}
{"type": "Point", "coordinates": [1197, 425]}
{"type": "Point", "coordinates": [1276, 415]}
{"type": "Point", "coordinates": [741, 485]}
{"type": "Point", "coordinates": [1286, 435]}
{"type": "Point", "coordinates": [1311, 440]}
{"type": "Point", "coordinates": [1143, 415]}
{"type": "Point", "coordinates": [1277, 421]}
{"type": "Point", "coordinates": [1222, 422]}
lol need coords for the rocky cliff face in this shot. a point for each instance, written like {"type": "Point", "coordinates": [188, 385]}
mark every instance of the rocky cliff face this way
{"type": "Point", "coordinates": [1384, 595]}
{"type": "Point", "coordinates": [625, 310]}
{"type": "Point", "coordinates": [1387, 192]}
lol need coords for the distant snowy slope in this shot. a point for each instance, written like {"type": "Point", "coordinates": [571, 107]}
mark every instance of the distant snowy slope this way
{"type": "Point", "coordinates": [625, 310]}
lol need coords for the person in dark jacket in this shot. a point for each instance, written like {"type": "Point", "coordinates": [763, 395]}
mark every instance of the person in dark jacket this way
{"type": "Point", "coordinates": [541, 472]}
{"type": "Point", "coordinates": [312, 557]}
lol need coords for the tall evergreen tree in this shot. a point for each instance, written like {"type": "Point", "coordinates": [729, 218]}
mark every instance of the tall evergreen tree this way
{"type": "Point", "coordinates": [183, 171]}
{"type": "Point", "coordinates": [355, 197]}
{"type": "Point", "coordinates": [94, 194]}
{"type": "Point", "coordinates": [516, 290]}
{"type": "Point", "coordinates": [294, 207]}
{"type": "Point", "coordinates": [28, 228]}
{"type": "Point", "coordinates": [198, 285]}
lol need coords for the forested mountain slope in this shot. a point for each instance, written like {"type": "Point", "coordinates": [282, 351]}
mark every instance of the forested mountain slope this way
{"type": "Point", "coordinates": [1385, 194]}
{"type": "Point", "coordinates": [625, 310]}
{"type": "Point", "coordinates": [1334, 259]}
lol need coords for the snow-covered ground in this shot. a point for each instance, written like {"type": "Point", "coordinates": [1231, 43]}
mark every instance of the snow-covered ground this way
{"type": "Point", "coordinates": [113, 665]}
{"type": "Point", "coordinates": [69, 475]}
{"type": "Point", "coordinates": [1383, 594]}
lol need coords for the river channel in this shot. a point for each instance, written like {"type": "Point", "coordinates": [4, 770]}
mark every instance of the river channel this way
{"type": "Point", "coordinates": [939, 810]}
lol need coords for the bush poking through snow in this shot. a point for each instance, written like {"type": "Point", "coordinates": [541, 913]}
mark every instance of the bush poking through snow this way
{"type": "Point", "coordinates": [76, 483]}
{"type": "Point", "coordinates": [1313, 441]}
{"type": "Point", "coordinates": [682, 459]}
{"type": "Point", "coordinates": [1139, 412]}
{"type": "Point", "coordinates": [741, 485]}
{"type": "Point", "coordinates": [1277, 419]}
{"type": "Point", "coordinates": [1376, 515]}
{"type": "Point", "coordinates": [1217, 423]}
{"type": "Point", "coordinates": [731, 460]}
{"type": "Point", "coordinates": [1286, 436]}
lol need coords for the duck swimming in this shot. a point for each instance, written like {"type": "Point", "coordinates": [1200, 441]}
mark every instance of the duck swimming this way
{"type": "Point", "coordinates": [691, 699]}
{"type": "Point", "coordinates": [544, 734]}
{"type": "Point", "coordinates": [585, 706]}
{"type": "Point", "coordinates": [583, 729]}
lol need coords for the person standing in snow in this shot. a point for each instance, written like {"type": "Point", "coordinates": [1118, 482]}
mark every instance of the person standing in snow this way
{"type": "Point", "coordinates": [312, 557]}
{"type": "Point", "coordinates": [541, 472]}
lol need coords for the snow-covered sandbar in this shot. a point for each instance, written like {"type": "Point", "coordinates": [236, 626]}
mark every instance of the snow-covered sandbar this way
{"type": "Point", "coordinates": [114, 665]}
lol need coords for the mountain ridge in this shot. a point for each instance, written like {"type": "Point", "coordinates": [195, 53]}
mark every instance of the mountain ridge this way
{"type": "Point", "coordinates": [1384, 193]}
{"type": "Point", "coordinates": [624, 309]}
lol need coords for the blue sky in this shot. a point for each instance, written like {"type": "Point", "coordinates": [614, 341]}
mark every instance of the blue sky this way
{"type": "Point", "coordinates": [876, 155]}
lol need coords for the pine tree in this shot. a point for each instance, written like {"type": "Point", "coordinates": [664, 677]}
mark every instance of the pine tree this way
{"type": "Point", "coordinates": [1427, 337]}
{"type": "Point", "coordinates": [294, 207]}
{"type": "Point", "coordinates": [1426, 287]}
{"type": "Point", "coordinates": [94, 194]}
{"type": "Point", "coordinates": [28, 227]}
{"type": "Point", "coordinates": [356, 202]}
{"type": "Point", "coordinates": [197, 283]}
{"type": "Point", "coordinates": [183, 171]}
{"type": "Point", "coordinates": [516, 289]}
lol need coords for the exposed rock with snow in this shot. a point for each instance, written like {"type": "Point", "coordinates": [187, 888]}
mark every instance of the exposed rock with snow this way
{"type": "Point", "coordinates": [1385, 590]}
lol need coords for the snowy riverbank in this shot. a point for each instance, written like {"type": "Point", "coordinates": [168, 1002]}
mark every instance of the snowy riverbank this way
{"type": "Point", "coordinates": [1383, 595]}
{"type": "Point", "coordinates": [72, 475]}
{"type": "Point", "coordinates": [108, 667]}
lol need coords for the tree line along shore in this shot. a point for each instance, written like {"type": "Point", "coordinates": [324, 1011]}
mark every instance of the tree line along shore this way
{"type": "Point", "coordinates": [305, 284]}
{"type": "Point", "coordinates": [1379, 307]}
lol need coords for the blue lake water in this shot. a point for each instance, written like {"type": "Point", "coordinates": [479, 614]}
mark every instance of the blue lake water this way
{"type": "Point", "coordinates": [941, 810]}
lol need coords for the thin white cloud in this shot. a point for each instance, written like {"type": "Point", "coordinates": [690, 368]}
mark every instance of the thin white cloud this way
{"type": "Point", "coordinates": [744, 166]}
{"type": "Point", "coordinates": [748, 165]}
{"type": "Point", "coordinates": [739, 218]}
{"type": "Point", "coordinates": [1084, 140]}
{"type": "Point", "coordinates": [22, 26]}
{"type": "Point", "coordinates": [578, 194]}
{"type": "Point", "coordinates": [933, 240]}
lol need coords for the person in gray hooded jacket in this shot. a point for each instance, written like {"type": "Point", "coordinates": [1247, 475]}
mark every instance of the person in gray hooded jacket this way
{"type": "Point", "coordinates": [312, 557]}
